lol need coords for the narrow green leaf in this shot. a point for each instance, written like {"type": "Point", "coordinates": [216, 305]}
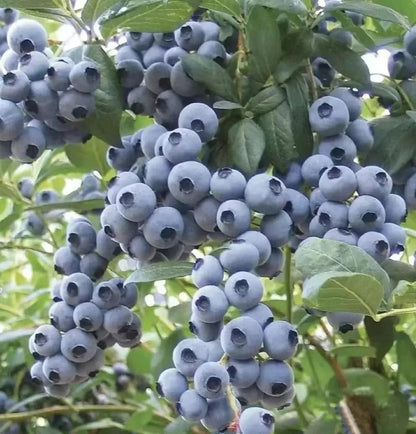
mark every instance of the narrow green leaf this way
{"type": "Point", "coordinates": [322, 426]}
{"type": "Point", "coordinates": [393, 142]}
{"type": "Point", "coordinates": [162, 357]}
{"type": "Point", "coordinates": [373, 10]}
{"type": "Point", "coordinates": [179, 426]}
{"type": "Point", "coordinates": [404, 293]}
{"type": "Point", "coordinates": [277, 128]}
{"type": "Point", "coordinates": [386, 91]}
{"type": "Point", "coordinates": [353, 351]}
{"type": "Point", "coordinates": [230, 7]}
{"type": "Point", "coordinates": [412, 115]}
{"type": "Point", "coordinates": [14, 335]}
{"type": "Point", "coordinates": [160, 271]}
{"type": "Point", "coordinates": [10, 191]}
{"type": "Point", "coordinates": [76, 205]}
{"type": "Point", "coordinates": [94, 8]}
{"type": "Point", "coordinates": [246, 144]}
{"type": "Point", "coordinates": [105, 423]}
{"type": "Point", "coordinates": [406, 357]}
{"type": "Point", "coordinates": [297, 95]}
{"type": "Point", "coordinates": [320, 255]}
{"type": "Point", "coordinates": [147, 16]}
{"type": "Point", "coordinates": [138, 420]}
{"type": "Point", "coordinates": [296, 7]}
{"type": "Point", "coordinates": [343, 59]}
{"type": "Point", "coordinates": [381, 335]}
{"type": "Point", "coordinates": [393, 417]}
{"type": "Point", "coordinates": [210, 74]}
{"type": "Point", "coordinates": [89, 156]}
{"type": "Point", "coordinates": [343, 291]}
{"type": "Point", "coordinates": [266, 100]}
{"type": "Point", "coordinates": [227, 105]}
{"type": "Point", "coordinates": [262, 31]}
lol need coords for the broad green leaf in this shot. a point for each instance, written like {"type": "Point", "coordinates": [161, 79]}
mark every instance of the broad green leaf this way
{"type": "Point", "coordinates": [138, 420]}
{"type": "Point", "coordinates": [147, 16]}
{"type": "Point", "coordinates": [35, 4]}
{"type": "Point", "coordinates": [162, 357]}
{"type": "Point", "coordinates": [319, 256]}
{"type": "Point", "coordinates": [322, 426]}
{"type": "Point", "coordinates": [380, 334]}
{"type": "Point", "coordinates": [353, 351]}
{"type": "Point", "coordinates": [179, 314]}
{"type": "Point", "coordinates": [297, 95]}
{"type": "Point", "coordinates": [393, 142]}
{"type": "Point", "coordinates": [370, 10]}
{"type": "Point", "coordinates": [393, 417]}
{"type": "Point", "coordinates": [247, 145]}
{"type": "Point", "coordinates": [343, 291]}
{"type": "Point", "coordinates": [296, 7]}
{"type": "Point", "coordinates": [160, 271]}
{"type": "Point", "coordinates": [398, 270]}
{"type": "Point", "coordinates": [412, 115]}
{"type": "Point", "coordinates": [139, 360]}
{"type": "Point", "coordinates": [210, 74]}
{"type": "Point", "coordinates": [343, 59]}
{"type": "Point", "coordinates": [262, 31]}
{"type": "Point", "coordinates": [404, 7]}
{"type": "Point", "coordinates": [230, 7]}
{"type": "Point", "coordinates": [75, 205]}
{"type": "Point", "coordinates": [362, 382]}
{"type": "Point", "coordinates": [277, 128]}
{"type": "Point", "coordinates": [89, 156]}
{"type": "Point", "coordinates": [94, 8]}
{"type": "Point", "coordinates": [104, 123]}
{"type": "Point", "coordinates": [386, 91]}
{"type": "Point", "coordinates": [406, 357]}
{"type": "Point", "coordinates": [297, 48]}
{"type": "Point", "coordinates": [404, 293]}
{"type": "Point", "coordinates": [266, 100]}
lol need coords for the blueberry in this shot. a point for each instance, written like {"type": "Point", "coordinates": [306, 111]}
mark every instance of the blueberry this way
{"type": "Point", "coordinates": [106, 247]}
{"type": "Point", "coordinates": [58, 390]}
{"type": "Point", "coordinates": [338, 183]}
{"type": "Point", "coordinates": [125, 52]}
{"type": "Point", "coordinates": [78, 346]}
{"type": "Point", "coordinates": [37, 376]}
{"type": "Point", "coordinates": [11, 120]}
{"type": "Point", "coordinates": [61, 316]}
{"type": "Point", "coordinates": [351, 98]}
{"type": "Point", "coordinates": [219, 415]}
{"type": "Point", "coordinates": [275, 377]}
{"type": "Point", "coordinates": [410, 192]}
{"type": "Point", "coordinates": [341, 149]}
{"type": "Point", "coordinates": [130, 73]}
{"type": "Point", "coordinates": [376, 245]}
{"type": "Point", "coordinates": [27, 35]}
{"type": "Point", "coordinates": [313, 168]}
{"type": "Point", "coordinates": [85, 76]}
{"type": "Point", "coordinates": [164, 228]}
{"type": "Point", "coordinates": [260, 241]}
{"type": "Point", "coordinates": [297, 206]}
{"type": "Point", "coordinates": [156, 173]}
{"type": "Point", "coordinates": [168, 105]}
{"type": "Point", "coordinates": [209, 304]}
{"type": "Point", "coordinates": [228, 184]}
{"type": "Point", "coordinates": [181, 145]}
{"type": "Point", "coordinates": [88, 317]}
{"type": "Point", "coordinates": [396, 210]}
{"type": "Point", "coordinates": [374, 181]}
{"type": "Point", "coordinates": [214, 50]}
{"type": "Point", "coordinates": [141, 101]}
{"type": "Point", "coordinates": [239, 256]}
{"type": "Point", "coordinates": [316, 228]}
{"type": "Point", "coordinates": [116, 226]}
{"type": "Point", "coordinates": [323, 70]}
{"type": "Point", "coordinates": [32, 349]}
{"type": "Point", "coordinates": [47, 340]}
{"type": "Point", "coordinates": [35, 65]}
{"type": "Point", "coordinates": [183, 84]}
{"type": "Point", "coordinates": [58, 369]}
{"type": "Point", "coordinates": [129, 295]}
{"type": "Point", "coordinates": [200, 118]}
{"type": "Point", "coordinates": [14, 86]}
{"type": "Point", "coordinates": [81, 237]}
{"type": "Point", "coordinates": [280, 340]}
{"type": "Point", "coordinates": [401, 65]}
{"type": "Point", "coordinates": [58, 73]}
{"type": "Point", "coordinates": [205, 213]}
{"type": "Point", "coordinates": [244, 290]}
{"type": "Point", "coordinates": [342, 37]}
{"type": "Point", "coordinates": [9, 15]}
{"type": "Point", "coordinates": [136, 202]}
{"type": "Point", "coordinates": [329, 116]}
{"type": "Point", "coordinates": [149, 137]}
{"type": "Point", "coordinates": [117, 319]}
{"type": "Point", "coordinates": [215, 351]}
{"type": "Point", "coordinates": [211, 380]}
{"type": "Point", "coordinates": [188, 355]}
{"type": "Point", "coordinates": [396, 237]}
{"type": "Point", "coordinates": [233, 217]}
{"type": "Point", "coordinates": [153, 55]}
{"type": "Point", "coordinates": [277, 228]}
{"type": "Point", "coordinates": [211, 30]}
{"type": "Point", "coordinates": [366, 213]}
{"type": "Point", "coordinates": [261, 313]}
{"type": "Point", "coordinates": [66, 261]}
{"type": "Point", "coordinates": [192, 406]}
{"type": "Point", "coordinates": [76, 106]}
{"type": "Point", "coordinates": [207, 271]}
{"type": "Point", "coordinates": [157, 77]}
{"type": "Point", "coordinates": [190, 36]}
{"type": "Point", "coordinates": [204, 331]}
{"type": "Point", "coordinates": [165, 40]}
{"type": "Point", "coordinates": [410, 41]}
{"type": "Point", "coordinates": [344, 321]}
{"type": "Point", "coordinates": [42, 102]}
{"type": "Point", "coordinates": [192, 235]}
{"type": "Point", "coordinates": [140, 249]}
{"type": "Point", "coordinates": [256, 420]}
{"type": "Point", "coordinates": [174, 55]}
{"type": "Point", "coordinates": [243, 373]}
{"type": "Point", "coordinates": [248, 396]}
{"type": "Point", "coordinates": [242, 338]}
{"type": "Point", "coordinates": [106, 295]}
{"type": "Point", "coordinates": [280, 402]}
{"type": "Point", "coordinates": [139, 41]}
{"type": "Point", "coordinates": [171, 384]}
{"type": "Point", "coordinates": [344, 235]}
{"type": "Point", "coordinates": [91, 368]}
{"type": "Point", "coordinates": [333, 215]}
{"type": "Point", "coordinates": [28, 146]}
{"type": "Point", "coordinates": [265, 194]}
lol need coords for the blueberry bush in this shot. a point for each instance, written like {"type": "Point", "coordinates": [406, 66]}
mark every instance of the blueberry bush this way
{"type": "Point", "coordinates": [207, 216]}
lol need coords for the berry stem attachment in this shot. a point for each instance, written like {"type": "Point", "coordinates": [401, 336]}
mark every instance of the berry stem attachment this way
{"type": "Point", "coordinates": [288, 283]}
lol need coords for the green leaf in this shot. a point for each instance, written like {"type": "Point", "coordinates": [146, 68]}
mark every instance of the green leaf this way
{"type": "Point", "coordinates": [211, 75]}
{"type": "Point", "coordinates": [104, 123]}
{"type": "Point", "coordinates": [393, 417]}
{"type": "Point", "coordinates": [262, 31]}
{"type": "Point", "coordinates": [14, 335]}
{"type": "Point", "coordinates": [343, 291]}
{"type": "Point", "coordinates": [277, 128]}
{"type": "Point", "coordinates": [362, 382]}
{"type": "Point", "coordinates": [386, 91]}
{"type": "Point", "coordinates": [230, 7]}
{"type": "Point", "coordinates": [296, 7]}
{"type": "Point", "coordinates": [406, 357]}
{"type": "Point", "coordinates": [297, 95]}
{"type": "Point", "coordinates": [353, 351]}
{"type": "Point", "coordinates": [393, 142]}
{"type": "Point", "coordinates": [179, 426]}
{"type": "Point", "coordinates": [160, 271]}
{"type": "Point", "coordinates": [139, 360]}
{"type": "Point", "coordinates": [179, 314]}
{"type": "Point", "coordinates": [162, 358]}
{"type": "Point", "coordinates": [412, 115]}
{"type": "Point", "coordinates": [319, 255]}
{"type": "Point", "coordinates": [32, 7]}
{"type": "Point", "coordinates": [147, 16]}
{"type": "Point", "coordinates": [399, 270]}
{"type": "Point", "coordinates": [246, 145]}
{"type": "Point", "coordinates": [404, 7]}
{"type": "Point", "coordinates": [104, 423]}
{"type": "Point", "coordinates": [94, 8]}
{"type": "Point", "coordinates": [380, 334]}
{"type": "Point", "coordinates": [322, 426]}
{"type": "Point", "coordinates": [404, 293]}
{"type": "Point", "coordinates": [370, 10]}
{"type": "Point", "coordinates": [266, 100]}
{"type": "Point", "coordinates": [343, 59]}
{"type": "Point", "coordinates": [89, 156]}
{"type": "Point", "coordinates": [75, 205]}
{"type": "Point", "coordinates": [297, 48]}
{"type": "Point", "coordinates": [10, 191]}
{"type": "Point", "coordinates": [138, 420]}
{"type": "Point", "coordinates": [227, 105]}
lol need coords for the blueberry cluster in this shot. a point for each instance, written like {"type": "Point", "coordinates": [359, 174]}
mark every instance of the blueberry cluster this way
{"type": "Point", "coordinates": [150, 69]}
{"type": "Point", "coordinates": [43, 98]}
{"type": "Point", "coordinates": [85, 320]}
